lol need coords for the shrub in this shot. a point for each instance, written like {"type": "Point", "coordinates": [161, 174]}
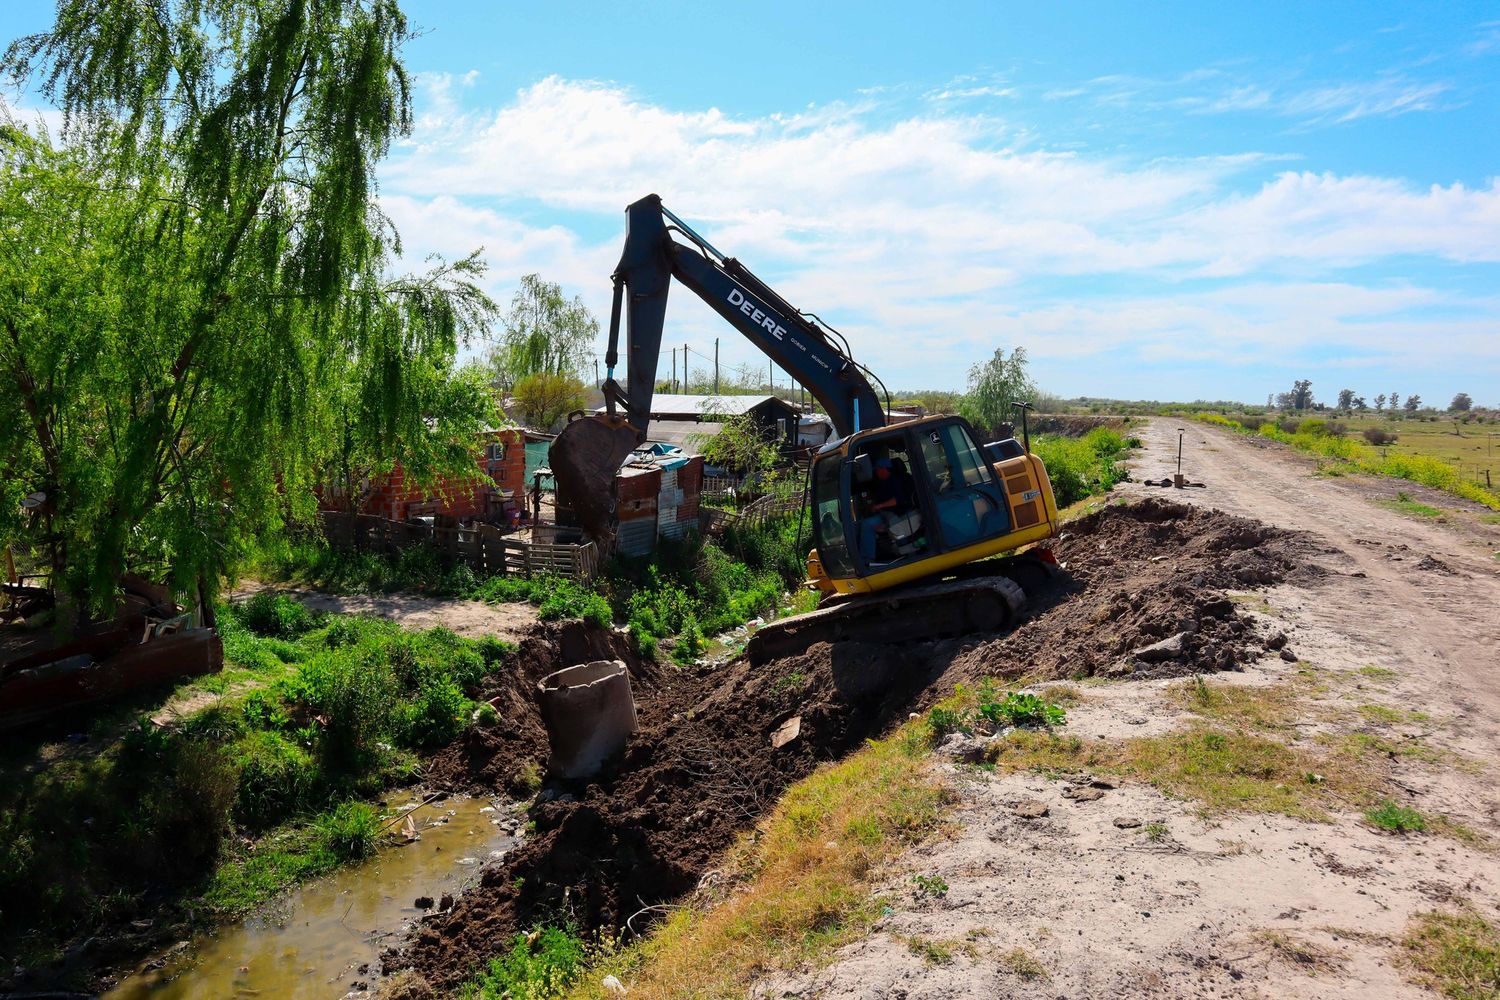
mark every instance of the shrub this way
{"type": "Point", "coordinates": [942, 721]}
{"type": "Point", "coordinates": [1021, 709]}
{"type": "Point", "coordinates": [354, 692]}
{"type": "Point", "coordinates": [1378, 436]}
{"type": "Point", "coordinates": [690, 642]}
{"type": "Point", "coordinates": [277, 778]}
{"type": "Point", "coordinates": [539, 965]}
{"type": "Point", "coordinates": [435, 716]}
{"type": "Point", "coordinates": [350, 831]}
{"type": "Point", "coordinates": [275, 615]}
{"type": "Point", "coordinates": [1289, 425]}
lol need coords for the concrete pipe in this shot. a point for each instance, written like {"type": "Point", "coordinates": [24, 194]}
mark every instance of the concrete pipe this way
{"type": "Point", "coordinates": [589, 713]}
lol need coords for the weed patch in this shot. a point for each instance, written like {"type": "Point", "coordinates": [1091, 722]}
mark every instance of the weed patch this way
{"type": "Point", "coordinates": [1395, 818]}
{"type": "Point", "coordinates": [1457, 954]}
{"type": "Point", "coordinates": [539, 965]}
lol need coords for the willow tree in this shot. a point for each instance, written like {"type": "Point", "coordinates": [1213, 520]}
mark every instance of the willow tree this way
{"type": "Point", "coordinates": [995, 387]}
{"type": "Point", "coordinates": [195, 279]}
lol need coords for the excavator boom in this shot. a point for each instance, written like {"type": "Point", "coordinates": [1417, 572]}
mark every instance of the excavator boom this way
{"type": "Point", "coordinates": [586, 455]}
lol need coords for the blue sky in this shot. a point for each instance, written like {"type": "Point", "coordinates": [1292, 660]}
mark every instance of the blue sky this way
{"type": "Point", "coordinates": [1167, 201]}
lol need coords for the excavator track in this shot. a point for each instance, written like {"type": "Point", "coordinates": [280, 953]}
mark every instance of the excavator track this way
{"type": "Point", "coordinates": [988, 597]}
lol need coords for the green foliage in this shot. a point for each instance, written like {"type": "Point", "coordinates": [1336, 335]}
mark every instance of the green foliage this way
{"type": "Point", "coordinates": [690, 642]}
{"type": "Point", "coordinates": [543, 399]}
{"type": "Point", "coordinates": [350, 830]}
{"type": "Point", "coordinates": [1020, 708]}
{"type": "Point", "coordinates": [200, 326]}
{"type": "Point", "coordinates": [539, 966]}
{"type": "Point", "coordinates": [277, 779]}
{"type": "Point", "coordinates": [1081, 467]}
{"type": "Point", "coordinates": [271, 614]}
{"type": "Point", "coordinates": [741, 445]}
{"type": "Point", "coordinates": [931, 885]}
{"type": "Point", "coordinates": [545, 334]}
{"type": "Point", "coordinates": [1396, 818]}
{"type": "Point", "coordinates": [942, 720]}
{"type": "Point", "coordinates": [995, 386]}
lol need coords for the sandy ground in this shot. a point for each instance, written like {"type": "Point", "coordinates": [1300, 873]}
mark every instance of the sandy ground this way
{"type": "Point", "coordinates": [1134, 894]}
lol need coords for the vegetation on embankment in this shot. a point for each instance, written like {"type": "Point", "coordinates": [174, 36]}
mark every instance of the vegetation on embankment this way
{"type": "Point", "coordinates": [1083, 466]}
{"type": "Point", "coordinates": [686, 590]}
{"type": "Point", "coordinates": [1322, 438]}
{"type": "Point", "coordinates": [242, 799]}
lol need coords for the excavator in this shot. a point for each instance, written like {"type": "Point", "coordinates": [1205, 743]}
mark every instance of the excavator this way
{"type": "Point", "coordinates": [910, 520]}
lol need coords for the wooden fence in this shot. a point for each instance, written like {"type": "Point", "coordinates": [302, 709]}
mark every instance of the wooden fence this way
{"type": "Point", "coordinates": [483, 547]}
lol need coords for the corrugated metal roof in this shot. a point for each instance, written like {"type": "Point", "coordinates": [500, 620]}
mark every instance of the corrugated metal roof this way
{"type": "Point", "coordinates": [688, 434]}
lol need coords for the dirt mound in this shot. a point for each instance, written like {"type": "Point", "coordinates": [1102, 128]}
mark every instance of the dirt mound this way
{"type": "Point", "coordinates": [1143, 593]}
{"type": "Point", "coordinates": [646, 831]}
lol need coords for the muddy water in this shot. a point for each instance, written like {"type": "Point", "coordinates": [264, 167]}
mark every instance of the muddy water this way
{"type": "Point", "coordinates": [326, 936]}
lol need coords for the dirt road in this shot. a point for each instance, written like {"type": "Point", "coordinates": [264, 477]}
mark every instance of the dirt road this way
{"type": "Point", "coordinates": [1131, 893]}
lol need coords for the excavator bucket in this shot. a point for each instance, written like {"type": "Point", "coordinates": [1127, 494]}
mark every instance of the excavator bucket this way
{"type": "Point", "coordinates": [584, 459]}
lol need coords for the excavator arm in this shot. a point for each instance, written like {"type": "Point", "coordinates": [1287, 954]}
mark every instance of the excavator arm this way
{"type": "Point", "coordinates": [585, 457]}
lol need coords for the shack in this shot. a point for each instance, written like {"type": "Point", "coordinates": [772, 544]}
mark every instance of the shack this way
{"type": "Point", "coordinates": [499, 452]}
{"type": "Point", "coordinates": [657, 498]}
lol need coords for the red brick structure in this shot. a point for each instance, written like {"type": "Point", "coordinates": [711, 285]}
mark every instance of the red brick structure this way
{"type": "Point", "coordinates": [501, 456]}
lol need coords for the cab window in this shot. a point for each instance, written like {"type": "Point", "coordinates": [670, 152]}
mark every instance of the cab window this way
{"type": "Point", "coordinates": [828, 518]}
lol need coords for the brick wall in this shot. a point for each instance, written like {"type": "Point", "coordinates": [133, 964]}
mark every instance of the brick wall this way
{"type": "Point", "coordinates": [393, 497]}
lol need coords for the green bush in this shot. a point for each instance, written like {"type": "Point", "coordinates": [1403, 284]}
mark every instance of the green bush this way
{"type": "Point", "coordinates": [354, 691]}
{"type": "Point", "coordinates": [1019, 708]}
{"type": "Point", "coordinates": [437, 714]}
{"type": "Point", "coordinates": [539, 966]}
{"type": "Point", "coordinates": [275, 616]}
{"type": "Point", "coordinates": [277, 778]}
{"type": "Point", "coordinates": [350, 830]}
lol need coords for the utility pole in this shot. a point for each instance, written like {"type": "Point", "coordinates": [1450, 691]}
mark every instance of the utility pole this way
{"type": "Point", "coordinates": [771, 376]}
{"type": "Point", "coordinates": [596, 373]}
{"type": "Point", "coordinates": [686, 386]}
{"type": "Point", "coordinates": [716, 366]}
{"type": "Point", "coordinates": [674, 369]}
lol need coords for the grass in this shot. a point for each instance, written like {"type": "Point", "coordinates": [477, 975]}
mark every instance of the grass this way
{"type": "Point", "coordinates": [1023, 965]}
{"type": "Point", "coordinates": [1415, 458]}
{"type": "Point", "coordinates": [799, 884]}
{"type": "Point", "coordinates": [1221, 768]}
{"type": "Point", "coordinates": [1402, 503]}
{"type": "Point", "coordinates": [1395, 818]}
{"type": "Point", "coordinates": [1266, 707]}
{"type": "Point", "coordinates": [1457, 954]}
{"type": "Point", "coordinates": [1304, 956]}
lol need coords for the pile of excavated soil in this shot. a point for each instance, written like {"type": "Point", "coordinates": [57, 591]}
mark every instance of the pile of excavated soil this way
{"type": "Point", "coordinates": [1142, 592]}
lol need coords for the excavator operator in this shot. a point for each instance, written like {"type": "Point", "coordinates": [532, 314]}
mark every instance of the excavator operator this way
{"type": "Point", "coordinates": [890, 496]}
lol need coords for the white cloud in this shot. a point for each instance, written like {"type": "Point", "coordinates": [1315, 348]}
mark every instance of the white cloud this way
{"type": "Point", "coordinates": [934, 237]}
